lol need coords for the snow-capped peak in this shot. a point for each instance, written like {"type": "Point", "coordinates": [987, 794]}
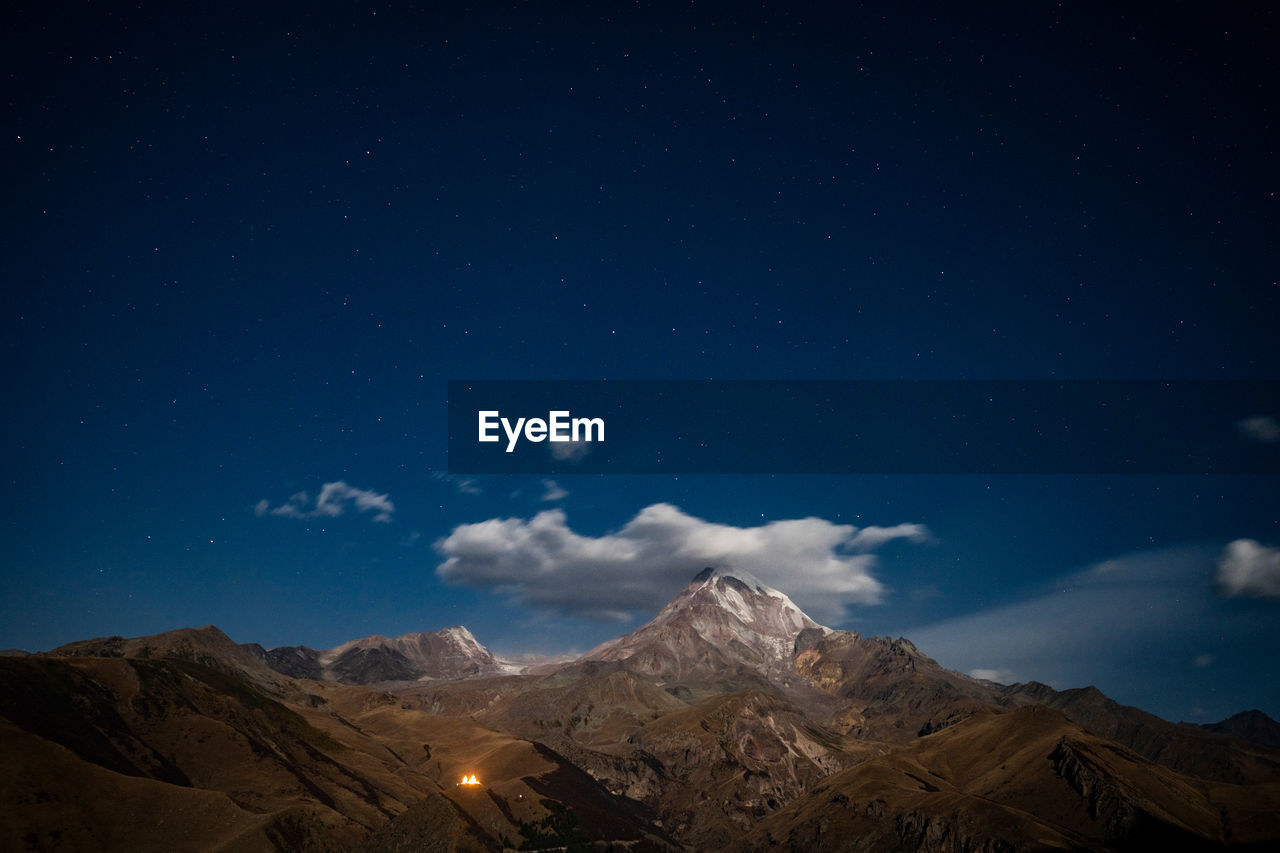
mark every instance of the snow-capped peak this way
{"type": "Point", "coordinates": [460, 633]}
{"type": "Point", "coordinates": [747, 598]}
{"type": "Point", "coordinates": [464, 639]}
{"type": "Point", "coordinates": [708, 576]}
{"type": "Point", "coordinates": [746, 620]}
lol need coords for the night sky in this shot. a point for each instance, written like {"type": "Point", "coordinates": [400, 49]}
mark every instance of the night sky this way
{"type": "Point", "coordinates": [246, 247]}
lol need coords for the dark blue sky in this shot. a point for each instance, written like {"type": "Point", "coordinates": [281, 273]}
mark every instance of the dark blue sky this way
{"type": "Point", "coordinates": [245, 248]}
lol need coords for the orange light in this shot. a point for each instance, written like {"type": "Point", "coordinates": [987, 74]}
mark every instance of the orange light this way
{"type": "Point", "coordinates": [469, 780]}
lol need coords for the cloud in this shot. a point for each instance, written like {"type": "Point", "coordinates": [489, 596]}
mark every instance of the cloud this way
{"type": "Point", "coordinates": [553, 491]}
{"type": "Point", "coordinates": [1260, 428]}
{"type": "Point", "coordinates": [569, 451]}
{"type": "Point", "coordinates": [543, 563]}
{"type": "Point", "coordinates": [1126, 625]}
{"type": "Point", "coordinates": [999, 676]}
{"type": "Point", "coordinates": [1248, 568]}
{"type": "Point", "coordinates": [1201, 661]}
{"type": "Point", "coordinates": [870, 538]}
{"type": "Point", "coordinates": [465, 485]}
{"type": "Point", "coordinates": [334, 499]}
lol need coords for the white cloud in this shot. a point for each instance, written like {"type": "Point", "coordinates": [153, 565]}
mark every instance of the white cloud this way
{"type": "Point", "coordinates": [569, 451]}
{"type": "Point", "coordinates": [1155, 605]}
{"type": "Point", "coordinates": [1137, 627]}
{"type": "Point", "coordinates": [870, 538]}
{"type": "Point", "coordinates": [334, 499]}
{"type": "Point", "coordinates": [553, 491]}
{"type": "Point", "coordinates": [1248, 568]}
{"type": "Point", "coordinates": [999, 676]}
{"type": "Point", "coordinates": [1260, 428]}
{"type": "Point", "coordinates": [465, 485]}
{"type": "Point", "coordinates": [544, 563]}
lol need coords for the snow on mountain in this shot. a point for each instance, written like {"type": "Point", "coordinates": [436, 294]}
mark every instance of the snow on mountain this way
{"type": "Point", "coordinates": [722, 621]}
{"type": "Point", "coordinates": [450, 653]}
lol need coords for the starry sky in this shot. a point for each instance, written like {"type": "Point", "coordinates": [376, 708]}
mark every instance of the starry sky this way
{"type": "Point", "coordinates": [246, 247]}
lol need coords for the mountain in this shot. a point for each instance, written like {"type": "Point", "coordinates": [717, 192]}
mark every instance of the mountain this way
{"type": "Point", "coordinates": [730, 721]}
{"type": "Point", "coordinates": [450, 653]}
{"type": "Point", "coordinates": [889, 690]}
{"type": "Point", "coordinates": [1026, 780]}
{"type": "Point", "coordinates": [1182, 748]}
{"type": "Point", "coordinates": [722, 628]}
{"type": "Point", "coordinates": [134, 748]}
{"type": "Point", "coordinates": [207, 646]}
{"type": "Point", "coordinates": [1253, 726]}
{"type": "Point", "coordinates": [731, 692]}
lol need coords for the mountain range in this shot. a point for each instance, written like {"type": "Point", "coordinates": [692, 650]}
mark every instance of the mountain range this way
{"type": "Point", "coordinates": [730, 721]}
{"type": "Point", "coordinates": [450, 653]}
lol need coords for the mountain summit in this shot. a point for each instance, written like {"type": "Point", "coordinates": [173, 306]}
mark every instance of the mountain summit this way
{"type": "Point", "coordinates": [725, 622]}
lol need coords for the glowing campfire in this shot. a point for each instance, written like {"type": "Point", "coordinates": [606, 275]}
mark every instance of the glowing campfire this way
{"type": "Point", "coordinates": [469, 780]}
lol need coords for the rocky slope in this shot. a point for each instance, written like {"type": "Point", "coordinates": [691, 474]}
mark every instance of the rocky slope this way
{"type": "Point", "coordinates": [1025, 780]}
{"type": "Point", "coordinates": [162, 753]}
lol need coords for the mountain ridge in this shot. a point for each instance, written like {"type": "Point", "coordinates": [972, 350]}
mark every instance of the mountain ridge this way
{"type": "Point", "coordinates": [719, 622]}
{"type": "Point", "coordinates": [450, 652]}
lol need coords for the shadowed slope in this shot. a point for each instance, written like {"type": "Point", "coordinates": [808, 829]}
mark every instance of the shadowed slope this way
{"type": "Point", "coordinates": [1029, 779]}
